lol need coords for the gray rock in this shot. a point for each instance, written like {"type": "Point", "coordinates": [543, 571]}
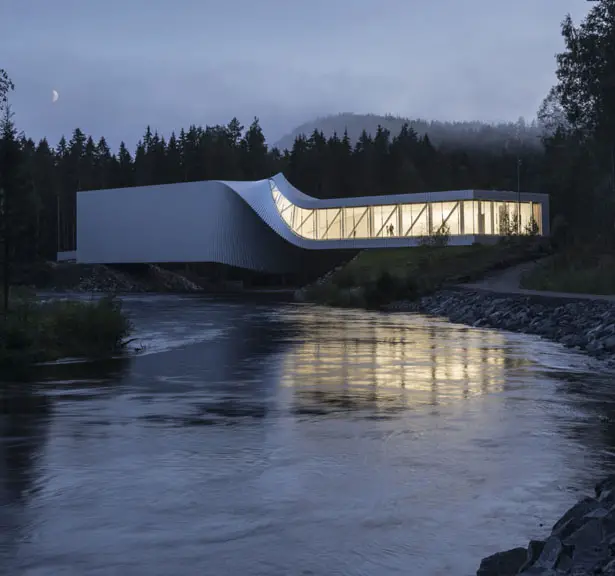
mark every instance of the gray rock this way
{"type": "Point", "coordinates": [581, 543]}
{"type": "Point", "coordinates": [551, 554]}
{"type": "Point", "coordinates": [594, 346]}
{"type": "Point", "coordinates": [534, 550]}
{"type": "Point", "coordinates": [588, 536]}
{"type": "Point", "coordinates": [608, 526]}
{"type": "Point", "coordinates": [571, 340]}
{"type": "Point", "coordinates": [589, 325]}
{"type": "Point", "coordinates": [503, 563]}
{"type": "Point", "coordinates": [573, 519]}
{"type": "Point", "coordinates": [609, 343]}
{"type": "Point", "coordinates": [597, 513]}
{"type": "Point", "coordinates": [605, 487]}
{"type": "Point", "coordinates": [564, 563]}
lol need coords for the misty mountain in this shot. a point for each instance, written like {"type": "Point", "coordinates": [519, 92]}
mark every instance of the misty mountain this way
{"type": "Point", "coordinates": [469, 135]}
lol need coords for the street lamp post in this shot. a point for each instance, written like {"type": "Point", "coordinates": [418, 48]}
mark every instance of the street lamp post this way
{"type": "Point", "coordinates": [518, 195]}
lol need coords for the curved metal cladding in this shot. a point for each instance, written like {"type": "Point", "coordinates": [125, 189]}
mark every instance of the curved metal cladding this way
{"type": "Point", "coordinates": [187, 222]}
{"type": "Point", "coordinates": [247, 224]}
{"type": "Point", "coordinates": [470, 215]}
{"type": "Point", "coordinates": [259, 195]}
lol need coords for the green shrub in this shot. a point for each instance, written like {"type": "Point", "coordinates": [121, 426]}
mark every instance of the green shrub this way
{"type": "Point", "coordinates": [531, 228]}
{"type": "Point", "coordinates": [438, 239]}
{"type": "Point", "coordinates": [37, 331]}
{"type": "Point", "coordinates": [344, 279]}
{"type": "Point", "coordinates": [385, 289]}
{"type": "Point", "coordinates": [385, 283]}
{"type": "Point", "coordinates": [411, 288]}
{"type": "Point", "coordinates": [17, 344]}
{"type": "Point", "coordinates": [348, 298]}
{"type": "Point", "coordinates": [87, 329]}
{"type": "Point", "coordinates": [577, 272]}
{"type": "Point", "coordinates": [379, 276]}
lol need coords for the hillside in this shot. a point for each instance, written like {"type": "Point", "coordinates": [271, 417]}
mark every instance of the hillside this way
{"type": "Point", "coordinates": [477, 135]}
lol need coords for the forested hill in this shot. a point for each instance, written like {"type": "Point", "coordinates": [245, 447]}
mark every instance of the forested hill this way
{"type": "Point", "coordinates": [467, 135]}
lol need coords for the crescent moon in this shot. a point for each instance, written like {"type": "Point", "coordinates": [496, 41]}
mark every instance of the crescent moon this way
{"type": "Point", "coordinates": [54, 95]}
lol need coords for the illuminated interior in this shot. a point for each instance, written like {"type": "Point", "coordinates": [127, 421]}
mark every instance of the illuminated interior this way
{"type": "Point", "coordinates": [483, 217]}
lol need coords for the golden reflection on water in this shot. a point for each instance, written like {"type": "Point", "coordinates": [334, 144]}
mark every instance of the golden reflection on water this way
{"type": "Point", "coordinates": [354, 360]}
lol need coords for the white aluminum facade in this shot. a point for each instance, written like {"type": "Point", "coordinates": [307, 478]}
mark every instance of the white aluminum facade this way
{"type": "Point", "coordinates": [268, 224]}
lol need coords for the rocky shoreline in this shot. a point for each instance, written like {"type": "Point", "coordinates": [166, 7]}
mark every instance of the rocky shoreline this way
{"type": "Point", "coordinates": [156, 279]}
{"type": "Point", "coordinates": [582, 542]}
{"type": "Point", "coordinates": [70, 277]}
{"type": "Point", "coordinates": [587, 325]}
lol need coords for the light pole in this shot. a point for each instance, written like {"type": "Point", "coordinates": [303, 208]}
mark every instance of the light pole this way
{"type": "Point", "coordinates": [518, 195]}
{"type": "Point", "coordinates": [518, 128]}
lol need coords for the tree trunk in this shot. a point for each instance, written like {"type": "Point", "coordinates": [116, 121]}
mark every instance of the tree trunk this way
{"type": "Point", "coordinates": [6, 280]}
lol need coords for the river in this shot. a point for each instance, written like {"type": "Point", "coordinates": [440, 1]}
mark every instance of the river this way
{"type": "Point", "coordinates": [248, 438]}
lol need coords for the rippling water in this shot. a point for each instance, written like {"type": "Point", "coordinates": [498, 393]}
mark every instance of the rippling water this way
{"type": "Point", "coordinates": [261, 439]}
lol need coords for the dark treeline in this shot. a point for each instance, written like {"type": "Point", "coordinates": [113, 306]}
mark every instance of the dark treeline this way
{"type": "Point", "coordinates": [467, 135]}
{"type": "Point", "coordinates": [575, 165]}
{"type": "Point", "coordinates": [322, 167]}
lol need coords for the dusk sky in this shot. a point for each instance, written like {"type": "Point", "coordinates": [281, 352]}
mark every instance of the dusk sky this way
{"type": "Point", "coordinates": [119, 66]}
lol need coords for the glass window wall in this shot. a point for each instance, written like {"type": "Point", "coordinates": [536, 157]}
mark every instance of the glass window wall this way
{"type": "Point", "coordinates": [449, 215]}
{"type": "Point", "coordinates": [483, 217]}
{"type": "Point", "coordinates": [537, 213]}
{"type": "Point", "coordinates": [414, 219]}
{"type": "Point", "coordinates": [385, 221]}
{"type": "Point", "coordinates": [480, 217]}
{"type": "Point", "coordinates": [469, 207]}
{"type": "Point", "coordinates": [357, 222]}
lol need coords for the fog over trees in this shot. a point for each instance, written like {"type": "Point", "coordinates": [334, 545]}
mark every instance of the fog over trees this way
{"type": "Point", "coordinates": [568, 152]}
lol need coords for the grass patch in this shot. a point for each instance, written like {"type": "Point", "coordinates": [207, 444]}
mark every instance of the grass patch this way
{"type": "Point", "coordinates": [577, 271]}
{"type": "Point", "coordinates": [36, 331]}
{"type": "Point", "coordinates": [377, 277]}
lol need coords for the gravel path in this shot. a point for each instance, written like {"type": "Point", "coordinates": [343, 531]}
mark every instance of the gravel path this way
{"type": "Point", "coordinates": [509, 282]}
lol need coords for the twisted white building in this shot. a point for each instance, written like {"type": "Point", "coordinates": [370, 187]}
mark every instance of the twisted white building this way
{"type": "Point", "coordinates": [268, 225]}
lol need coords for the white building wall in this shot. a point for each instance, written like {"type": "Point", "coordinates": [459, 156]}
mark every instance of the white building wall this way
{"type": "Point", "coordinates": [187, 222]}
{"type": "Point", "coordinates": [234, 223]}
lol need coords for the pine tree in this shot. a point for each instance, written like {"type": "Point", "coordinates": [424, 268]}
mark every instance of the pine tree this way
{"type": "Point", "coordinates": [124, 174]}
{"type": "Point", "coordinates": [173, 161]}
{"type": "Point", "coordinates": [255, 160]}
{"type": "Point", "coordinates": [6, 85]}
{"type": "Point", "coordinates": [45, 184]}
{"type": "Point", "coordinates": [142, 176]}
{"type": "Point", "coordinates": [13, 195]}
{"type": "Point", "coordinates": [87, 166]}
{"type": "Point", "coordinates": [103, 165]}
{"type": "Point", "coordinates": [64, 218]}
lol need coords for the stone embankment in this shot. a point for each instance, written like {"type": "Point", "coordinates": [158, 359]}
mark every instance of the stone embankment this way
{"type": "Point", "coordinates": [587, 325]}
{"type": "Point", "coordinates": [108, 279]}
{"type": "Point", "coordinates": [582, 542]}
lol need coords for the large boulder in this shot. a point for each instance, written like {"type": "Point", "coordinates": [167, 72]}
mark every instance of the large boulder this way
{"type": "Point", "coordinates": [572, 520]}
{"type": "Point", "coordinates": [534, 550]}
{"type": "Point", "coordinates": [503, 563]}
{"type": "Point", "coordinates": [554, 555]}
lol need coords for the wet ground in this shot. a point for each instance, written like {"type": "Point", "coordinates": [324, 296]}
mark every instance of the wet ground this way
{"type": "Point", "coordinates": [263, 439]}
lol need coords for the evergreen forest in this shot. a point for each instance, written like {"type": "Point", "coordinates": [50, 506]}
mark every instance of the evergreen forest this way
{"type": "Point", "coordinates": [575, 164]}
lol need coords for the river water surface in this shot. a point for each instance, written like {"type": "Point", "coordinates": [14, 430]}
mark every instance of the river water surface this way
{"type": "Point", "coordinates": [278, 439]}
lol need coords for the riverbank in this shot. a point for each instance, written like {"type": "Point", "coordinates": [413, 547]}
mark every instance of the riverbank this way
{"type": "Point", "coordinates": [585, 269]}
{"type": "Point", "coordinates": [71, 277]}
{"type": "Point", "coordinates": [584, 324]}
{"type": "Point", "coordinates": [375, 278]}
{"type": "Point", "coordinates": [582, 542]}
{"type": "Point", "coordinates": [34, 331]}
